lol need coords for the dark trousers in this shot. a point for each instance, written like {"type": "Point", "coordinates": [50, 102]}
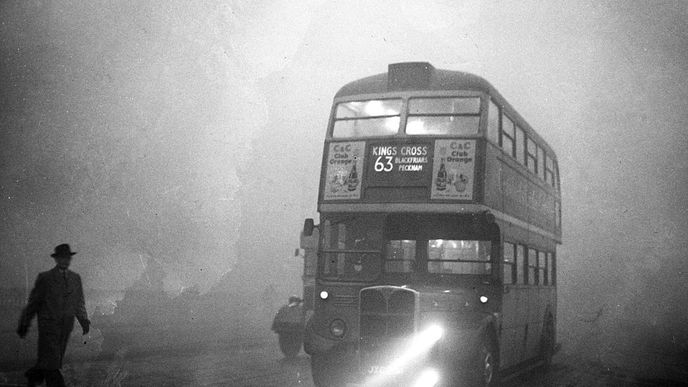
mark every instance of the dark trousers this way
{"type": "Point", "coordinates": [53, 378]}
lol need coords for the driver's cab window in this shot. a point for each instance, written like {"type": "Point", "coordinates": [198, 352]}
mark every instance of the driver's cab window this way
{"type": "Point", "coordinates": [351, 247]}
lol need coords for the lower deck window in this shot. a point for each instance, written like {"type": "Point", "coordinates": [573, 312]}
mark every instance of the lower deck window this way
{"type": "Point", "coordinates": [508, 263]}
{"type": "Point", "coordinates": [542, 268]}
{"type": "Point", "coordinates": [520, 264]}
{"type": "Point", "coordinates": [532, 267]}
{"type": "Point", "coordinates": [440, 256]}
{"type": "Point", "coordinates": [401, 256]}
{"type": "Point", "coordinates": [459, 256]}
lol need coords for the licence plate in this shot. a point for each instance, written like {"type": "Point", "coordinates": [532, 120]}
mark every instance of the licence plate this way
{"type": "Point", "coordinates": [383, 370]}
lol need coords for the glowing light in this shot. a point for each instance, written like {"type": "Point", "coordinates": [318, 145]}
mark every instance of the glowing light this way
{"type": "Point", "coordinates": [483, 299]}
{"type": "Point", "coordinates": [419, 346]}
{"type": "Point", "coordinates": [392, 124]}
{"type": "Point", "coordinates": [324, 294]}
{"type": "Point", "coordinates": [374, 108]}
{"type": "Point", "coordinates": [429, 336]}
{"type": "Point", "coordinates": [415, 127]}
{"type": "Point", "coordinates": [437, 243]}
{"type": "Point", "coordinates": [428, 378]}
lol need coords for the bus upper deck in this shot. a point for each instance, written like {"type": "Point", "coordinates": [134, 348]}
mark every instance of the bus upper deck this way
{"type": "Point", "coordinates": [421, 139]}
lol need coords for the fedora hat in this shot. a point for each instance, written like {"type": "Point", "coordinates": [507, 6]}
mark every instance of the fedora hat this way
{"type": "Point", "coordinates": [62, 250]}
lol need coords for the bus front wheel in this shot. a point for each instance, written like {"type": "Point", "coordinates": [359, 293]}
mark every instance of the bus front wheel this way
{"type": "Point", "coordinates": [487, 367]}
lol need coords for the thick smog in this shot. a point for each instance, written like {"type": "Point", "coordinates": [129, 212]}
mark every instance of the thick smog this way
{"type": "Point", "coordinates": [241, 193]}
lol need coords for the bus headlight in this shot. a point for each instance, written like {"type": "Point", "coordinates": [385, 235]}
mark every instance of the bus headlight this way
{"type": "Point", "coordinates": [428, 378]}
{"type": "Point", "coordinates": [433, 333]}
{"type": "Point", "coordinates": [338, 328]}
{"type": "Point", "coordinates": [425, 339]}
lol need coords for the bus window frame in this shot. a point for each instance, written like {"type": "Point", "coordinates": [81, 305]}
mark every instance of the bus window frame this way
{"type": "Point", "coordinates": [405, 96]}
{"type": "Point", "coordinates": [414, 263]}
{"type": "Point", "coordinates": [503, 133]}
{"type": "Point", "coordinates": [329, 244]}
{"type": "Point", "coordinates": [542, 267]}
{"type": "Point", "coordinates": [520, 155]}
{"type": "Point", "coordinates": [541, 153]}
{"type": "Point", "coordinates": [493, 133]}
{"type": "Point", "coordinates": [531, 157]}
{"type": "Point", "coordinates": [334, 119]}
{"type": "Point", "coordinates": [521, 263]}
{"type": "Point", "coordinates": [512, 264]}
{"type": "Point", "coordinates": [532, 265]}
{"type": "Point", "coordinates": [557, 214]}
{"type": "Point", "coordinates": [489, 264]}
{"type": "Point", "coordinates": [556, 175]}
{"type": "Point", "coordinates": [549, 171]}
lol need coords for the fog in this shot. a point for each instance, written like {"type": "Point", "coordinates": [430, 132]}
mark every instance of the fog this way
{"type": "Point", "coordinates": [190, 135]}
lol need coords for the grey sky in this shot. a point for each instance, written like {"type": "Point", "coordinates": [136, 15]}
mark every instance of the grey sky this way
{"type": "Point", "coordinates": [192, 133]}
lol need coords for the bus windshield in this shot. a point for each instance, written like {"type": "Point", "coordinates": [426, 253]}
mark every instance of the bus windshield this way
{"type": "Point", "coordinates": [436, 244]}
{"type": "Point", "coordinates": [351, 248]}
{"type": "Point", "coordinates": [440, 256]}
{"type": "Point", "coordinates": [454, 116]}
{"type": "Point", "coordinates": [367, 118]}
{"type": "Point", "coordinates": [361, 247]}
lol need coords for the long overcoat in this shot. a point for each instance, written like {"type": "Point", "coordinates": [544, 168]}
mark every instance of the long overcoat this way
{"type": "Point", "coordinates": [57, 299]}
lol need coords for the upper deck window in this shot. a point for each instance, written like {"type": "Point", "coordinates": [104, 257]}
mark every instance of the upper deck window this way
{"type": "Point", "coordinates": [531, 155]}
{"type": "Point", "coordinates": [380, 117]}
{"type": "Point", "coordinates": [493, 122]}
{"type": "Point", "coordinates": [541, 162]}
{"type": "Point", "coordinates": [507, 135]}
{"type": "Point", "coordinates": [549, 171]}
{"type": "Point", "coordinates": [520, 145]}
{"type": "Point", "coordinates": [454, 116]}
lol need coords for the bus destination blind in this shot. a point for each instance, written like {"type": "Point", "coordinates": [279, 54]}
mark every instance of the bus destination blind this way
{"type": "Point", "coordinates": [447, 167]}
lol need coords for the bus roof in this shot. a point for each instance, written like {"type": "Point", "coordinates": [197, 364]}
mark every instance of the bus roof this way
{"type": "Point", "coordinates": [418, 76]}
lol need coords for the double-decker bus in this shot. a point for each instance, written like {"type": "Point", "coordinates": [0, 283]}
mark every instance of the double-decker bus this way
{"type": "Point", "coordinates": [436, 245]}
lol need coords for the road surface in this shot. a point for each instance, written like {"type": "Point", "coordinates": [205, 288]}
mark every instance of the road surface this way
{"type": "Point", "coordinates": [259, 363]}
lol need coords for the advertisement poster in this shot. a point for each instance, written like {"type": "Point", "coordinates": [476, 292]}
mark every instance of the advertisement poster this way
{"type": "Point", "coordinates": [453, 170]}
{"type": "Point", "coordinates": [344, 170]}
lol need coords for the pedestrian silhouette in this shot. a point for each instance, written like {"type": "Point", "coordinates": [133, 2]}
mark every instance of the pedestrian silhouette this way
{"type": "Point", "coordinates": [57, 298]}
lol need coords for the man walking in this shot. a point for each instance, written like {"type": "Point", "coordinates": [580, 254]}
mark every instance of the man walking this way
{"type": "Point", "coordinates": [57, 297]}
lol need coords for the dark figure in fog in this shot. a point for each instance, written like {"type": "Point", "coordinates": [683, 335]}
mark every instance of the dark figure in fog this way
{"type": "Point", "coordinates": [289, 325]}
{"type": "Point", "coordinates": [57, 297]}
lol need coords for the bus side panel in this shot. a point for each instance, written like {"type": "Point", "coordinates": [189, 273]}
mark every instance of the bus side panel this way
{"type": "Point", "coordinates": [513, 325]}
{"type": "Point", "coordinates": [540, 298]}
{"type": "Point", "coordinates": [534, 322]}
{"type": "Point", "coordinates": [492, 178]}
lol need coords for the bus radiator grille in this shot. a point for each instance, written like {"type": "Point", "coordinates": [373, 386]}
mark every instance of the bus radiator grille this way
{"type": "Point", "coordinates": [387, 312]}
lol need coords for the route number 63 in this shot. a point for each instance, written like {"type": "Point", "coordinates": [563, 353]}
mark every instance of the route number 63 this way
{"type": "Point", "coordinates": [385, 166]}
